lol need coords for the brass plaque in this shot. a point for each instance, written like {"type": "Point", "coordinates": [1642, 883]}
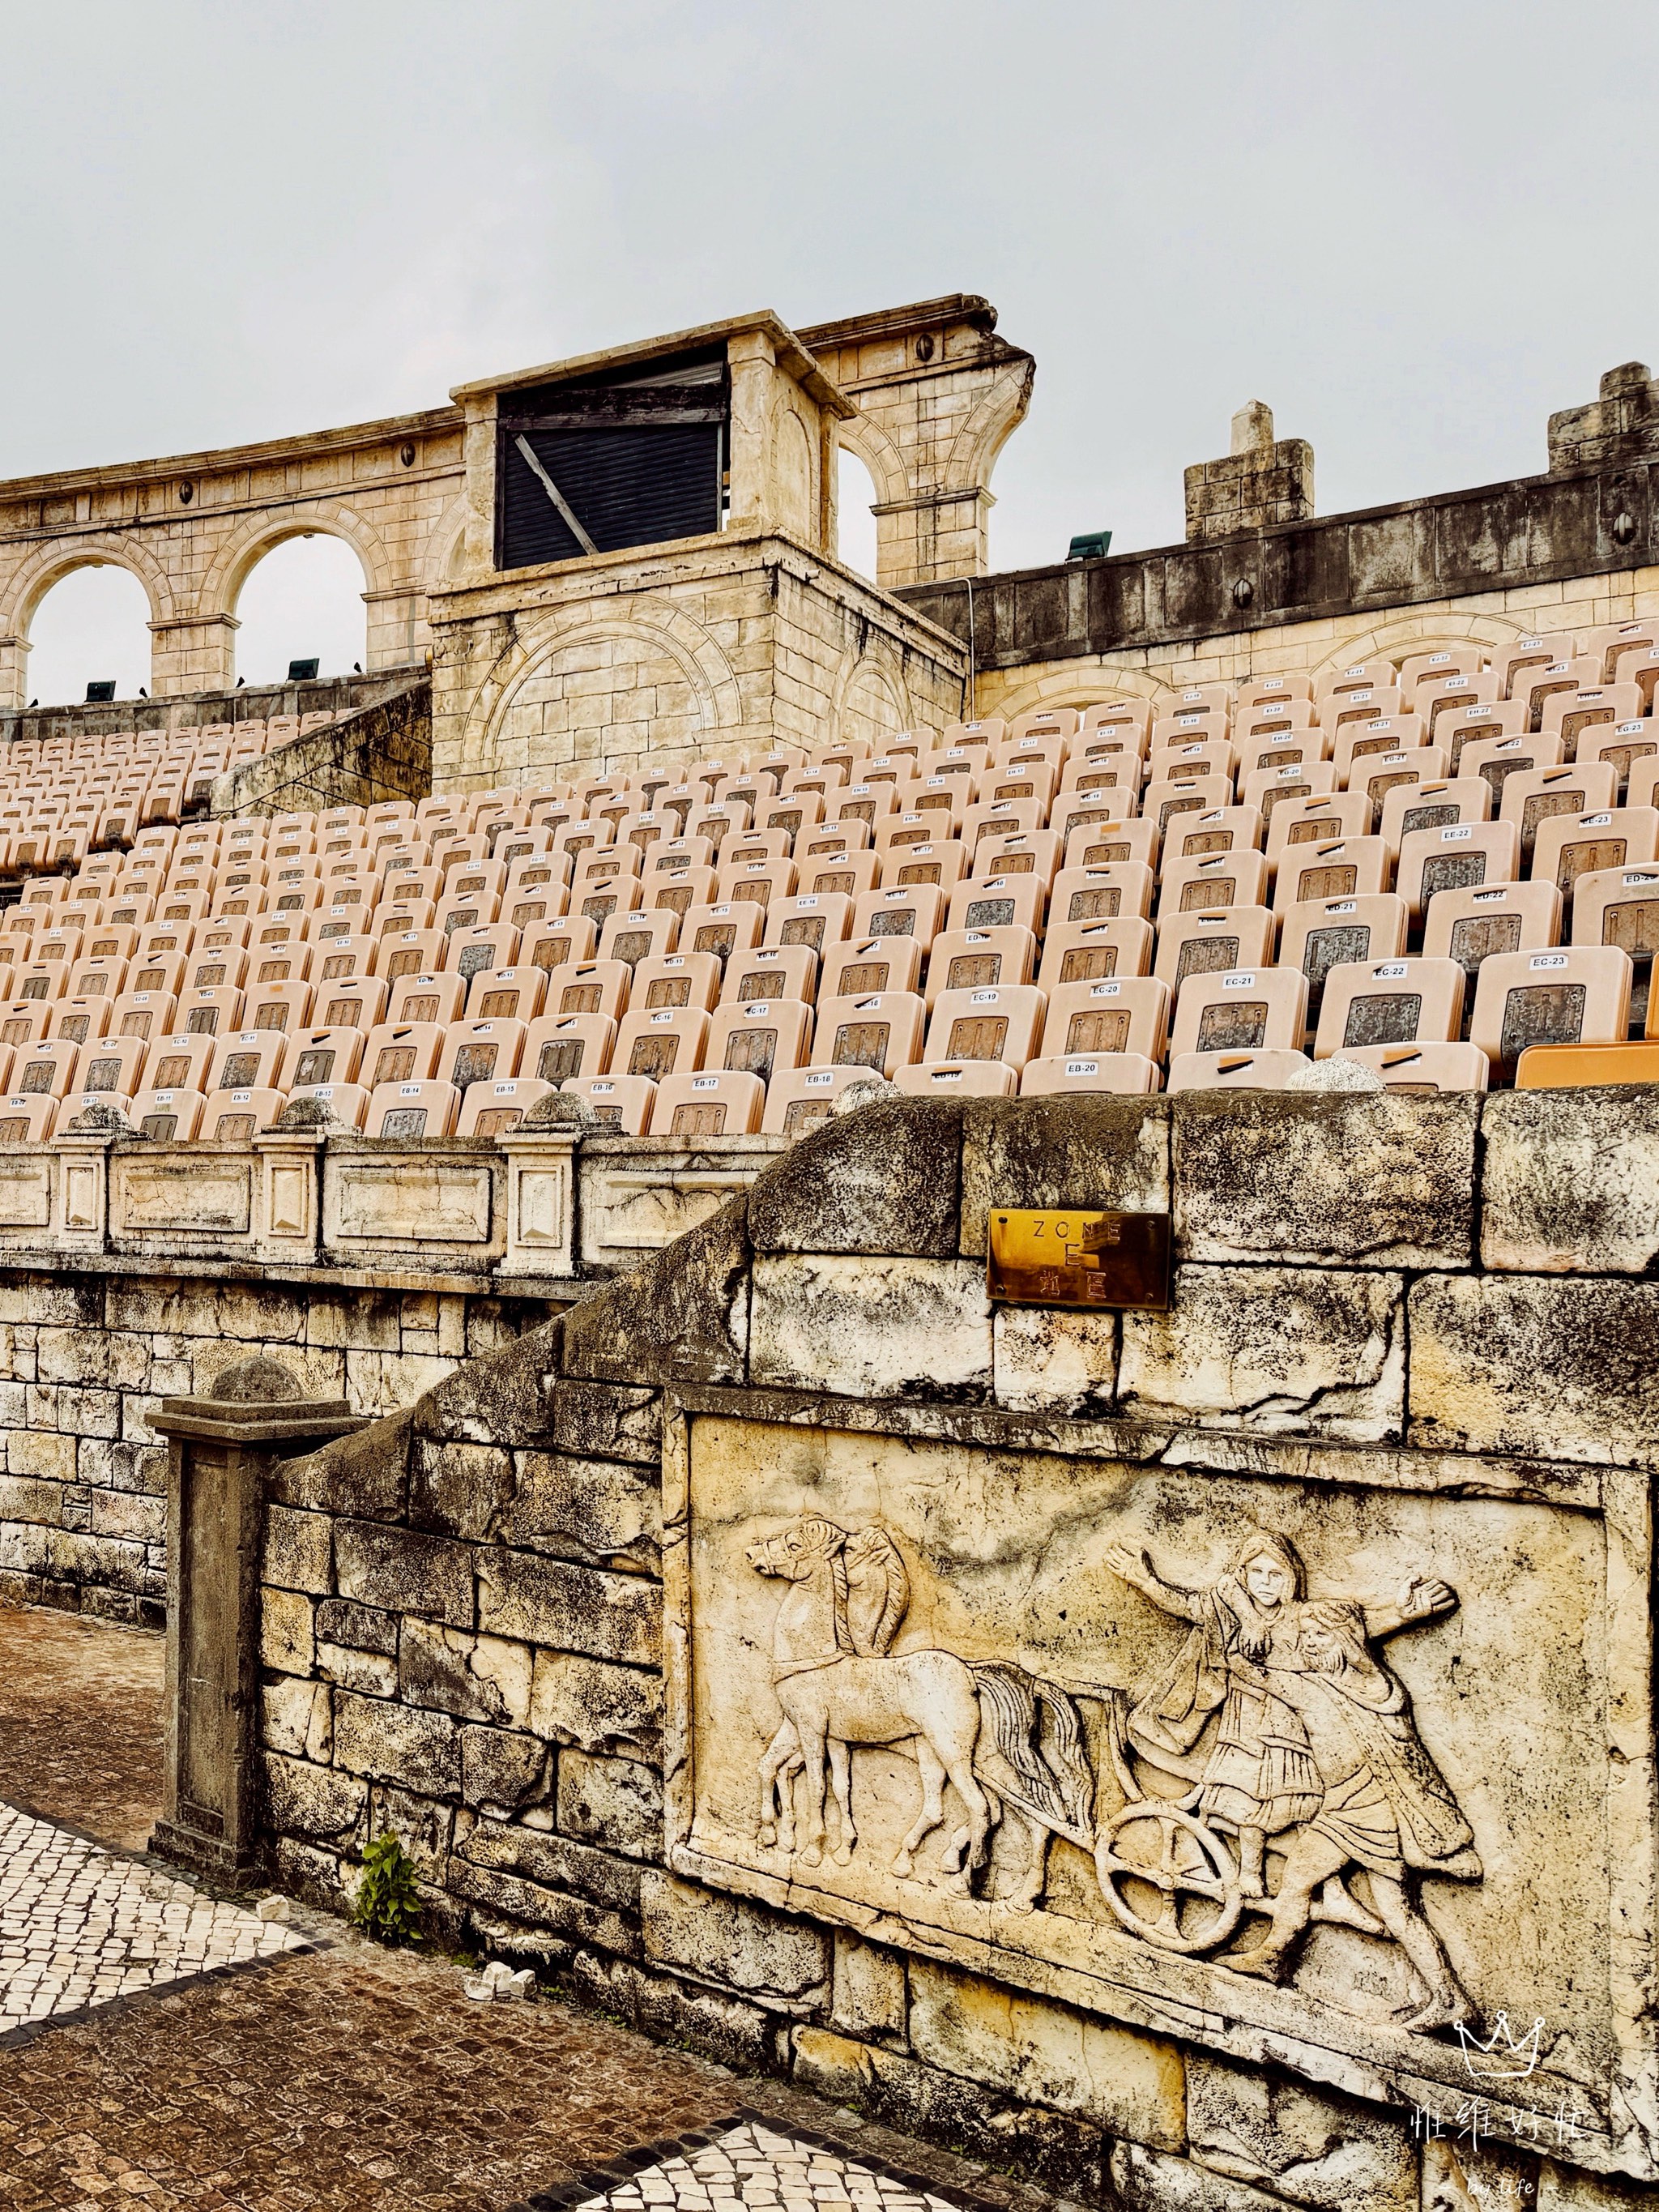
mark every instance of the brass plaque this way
{"type": "Point", "coordinates": [1083, 1257]}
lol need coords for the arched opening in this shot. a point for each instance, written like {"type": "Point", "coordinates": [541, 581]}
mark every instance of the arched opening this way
{"type": "Point", "coordinates": [303, 600]}
{"type": "Point", "coordinates": [92, 627]}
{"type": "Point", "coordinates": [855, 496]}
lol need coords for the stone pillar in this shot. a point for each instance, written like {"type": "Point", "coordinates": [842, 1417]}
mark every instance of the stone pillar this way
{"type": "Point", "coordinates": [221, 1449]}
{"type": "Point", "coordinates": [1258, 483]}
{"type": "Point", "coordinates": [80, 1200]}
{"type": "Point", "coordinates": [192, 653]}
{"type": "Point", "coordinates": [288, 1213]}
{"type": "Point", "coordinates": [397, 633]}
{"type": "Point", "coordinates": [13, 674]}
{"type": "Point", "coordinates": [541, 1201]}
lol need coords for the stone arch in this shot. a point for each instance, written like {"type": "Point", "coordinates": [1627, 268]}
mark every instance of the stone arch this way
{"type": "Point", "coordinates": [1077, 688]}
{"type": "Point", "coordinates": [996, 417]}
{"type": "Point", "coordinates": [794, 476]}
{"type": "Point", "coordinates": [445, 546]}
{"type": "Point", "coordinates": [240, 553]}
{"type": "Point", "coordinates": [880, 454]}
{"type": "Point", "coordinates": [29, 584]}
{"type": "Point", "coordinates": [513, 719]}
{"type": "Point", "coordinates": [870, 700]}
{"type": "Point", "coordinates": [1407, 633]}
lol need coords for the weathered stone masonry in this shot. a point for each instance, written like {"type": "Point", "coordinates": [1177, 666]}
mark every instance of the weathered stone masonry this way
{"type": "Point", "coordinates": [1386, 1307]}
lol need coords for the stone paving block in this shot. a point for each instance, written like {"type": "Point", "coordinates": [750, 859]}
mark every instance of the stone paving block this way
{"type": "Point", "coordinates": [298, 1552]}
{"type": "Point", "coordinates": [1291, 1351]}
{"type": "Point", "coordinates": [1047, 1360]}
{"type": "Point", "coordinates": [313, 1801]}
{"type": "Point", "coordinates": [1571, 1180]}
{"type": "Point", "coordinates": [883, 1180]}
{"type": "Point", "coordinates": [458, 1489]}
{"type": "Point", "coordinates": [1372, 1181]}
{"type": "Point", "coordinates": [502, 1769]}
{"type": "Point", "coordinates": [870, 1995]}
{"type": "Point", "coordinates": [286, 1642]}
{"type": "Point", "coordinates": [364, 1474]}
{"type": "Point", "coordinates": [872, 1327]}
{"type": "Point", "coordinates": [595, 1705]}
{"type": "Point", "coordinates": [588, 1509]}
{"type": "Point", "coordinates": [1097, 1152]}
{"type": "Point", "coordinates": [1550, 1367]}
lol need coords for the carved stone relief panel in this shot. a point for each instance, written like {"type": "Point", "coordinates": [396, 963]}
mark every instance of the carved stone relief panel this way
{"type": "Point", "coordinates": [1324, 1769]}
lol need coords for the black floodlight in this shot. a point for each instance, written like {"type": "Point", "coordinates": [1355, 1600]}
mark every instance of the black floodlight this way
{"type": "Point", "coordinates": [99, 695]}
{"type": "Point", "coordinates": [1092, 545]}
{"type": "Point", "coordinates": [302, 672]}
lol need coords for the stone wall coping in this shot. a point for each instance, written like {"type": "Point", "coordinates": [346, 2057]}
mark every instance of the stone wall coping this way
{"type": "Point", "coordinates": [220, 1420]}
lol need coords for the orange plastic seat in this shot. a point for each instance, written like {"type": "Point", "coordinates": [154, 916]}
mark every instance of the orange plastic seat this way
{"type": "Point", "coordinates": [878, 1030]}
{"type": "Point", "coordinates": [1203, 943]}
{"type": "Point", "coordinates": [1082, 952]}
{"type": "Point", "coordinates": [1577, 1067]}
{"type": "Point", "coordinates": [1423, 1068]}
{"type": "Point", "coordinates": [590, 987]}
{"type": "Point", "coordinates": [401, 1051]}
{"type": "Point", "coordinates": [1212, 880]}
{"type": "Point", "coordinates": [771, 971]}
{"type": "Point", "coordinates": [622, 1103]}
{"type": "Point", "coordinates": [1390, 1002]}
{"type": "Point", "coordinates": [248, 1059]}
{"type": "Point", "coordinates": [1122, 1071]}
{"type": "Point", "coordinates": [1269, 1070]}
{"type": "Point", "coordinates": [1113, 1014]}
{"type": "Point", "coordinates": [1619, 906]}
{"type": "Point", "coordinates": [757, 1037]}
{"type": "Point", "coordinates": [233, 1116]}
{"type": "Point", "coordinates": [1102, 891]}
{"type": "Point", "coordinates": [722, 1102]}
{"type": "Point", "coordinates": [1241, 1010]}
{"type": "Point", "coordinates": [1470, 925]}
{"type": "Point", "coordinates": [113, 1065]}
{"type": "Point", "coordinates": [958, 1078]}
{"type": "Point", "coordinates": [1577, 994]}
{"type": "Point", "coordinates": [412, 1109]}
{"type": "Point", "coordinates": [558, 1047]}
{"type": "Point", "coordinates": [815, 919]}
{"type": "Point", "coordinates": [677, 979]}
{"type": "Point", "coordinates": [480, 1052]}
{"type": "Point", "coordinates": [963, 958]}
{"type": "Point", "coordinates": [999, 1022]}
{"type": "Point", "coordinates": [172, 1116]}
{"type": "Point", "coordinates": [722, 928]}
{"type": "Point", "coordinates": [492, 1109]}
{"type": "Point", "coordinates": [318, 1056]}
{"type": "Point", "coordinates": [1457, 857]}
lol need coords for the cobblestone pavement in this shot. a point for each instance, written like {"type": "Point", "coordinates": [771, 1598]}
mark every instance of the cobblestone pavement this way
{"type": "Point", "coordinates": [342, 2077]}
{"type": "Point", "coordinates": [81, 1736]}
{"type": "Point", "coordinates": [762, 2169]}
{"type": "Point", "coordinates": [80, 1927]}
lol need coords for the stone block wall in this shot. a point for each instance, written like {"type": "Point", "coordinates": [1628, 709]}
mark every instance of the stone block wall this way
{"type": "Point", "coordinates": [1426, 1327]}
{"type": "Point", "coordinates": [86, 1357]}
{"type": "Point", "coordinates": [737, 643]}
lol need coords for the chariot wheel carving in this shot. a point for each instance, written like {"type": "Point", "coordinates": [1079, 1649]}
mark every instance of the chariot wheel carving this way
{"type": "Point", "coordinates": [1187, 1867]}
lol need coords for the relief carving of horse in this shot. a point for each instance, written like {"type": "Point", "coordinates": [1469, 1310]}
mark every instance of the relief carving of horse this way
{"type": "Point", "coordinates": [999, 1737]}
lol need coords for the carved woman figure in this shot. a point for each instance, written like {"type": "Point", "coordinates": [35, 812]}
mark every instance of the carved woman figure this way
{"type": "Point", "coordinates": [1259, 1778]}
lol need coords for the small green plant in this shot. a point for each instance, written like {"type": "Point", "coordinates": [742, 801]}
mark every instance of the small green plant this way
{"type": "Point", "coordinates": [388, 1904]}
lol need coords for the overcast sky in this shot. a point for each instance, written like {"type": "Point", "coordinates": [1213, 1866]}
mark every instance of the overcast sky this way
{"type": "Point", "coordinates": [1413, 230]}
